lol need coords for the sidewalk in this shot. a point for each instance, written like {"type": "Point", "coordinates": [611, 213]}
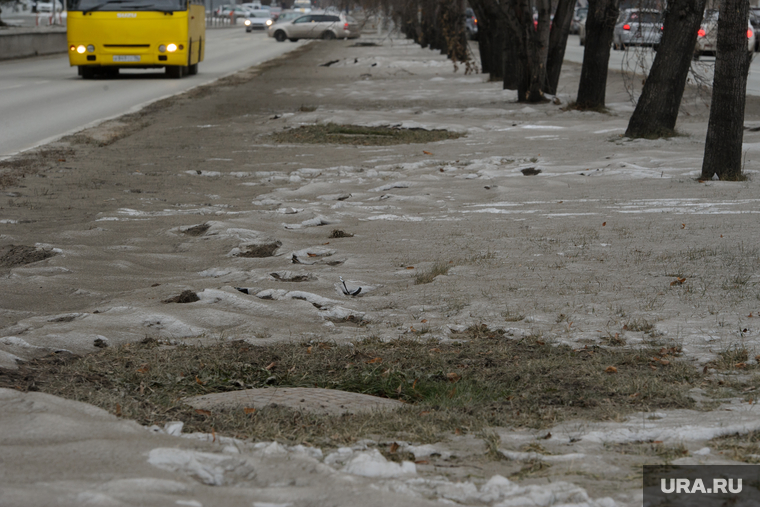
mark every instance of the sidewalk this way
{"type": "Point", "coordinates": [536, 220]}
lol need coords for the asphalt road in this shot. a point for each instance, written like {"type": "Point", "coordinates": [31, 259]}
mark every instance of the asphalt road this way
{"type": "Point", "coordinates": [42, 98]}
{"type": "Point", "coordinates": [626, 60]}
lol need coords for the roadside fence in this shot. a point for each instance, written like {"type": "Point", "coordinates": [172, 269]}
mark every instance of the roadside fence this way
{"type": "Point", "coordinates": [216, 21]}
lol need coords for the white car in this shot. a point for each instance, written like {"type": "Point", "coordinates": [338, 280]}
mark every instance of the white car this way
{"type": "Point", "coordinates": [316, 26]}
{"type": "Point", "coordinates": [707, 36]}
{"type": "Point", "coordinates": [260, 19]}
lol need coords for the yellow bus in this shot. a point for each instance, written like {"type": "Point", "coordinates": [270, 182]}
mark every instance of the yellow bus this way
{"type": "Point", "coordinates": [107, 35]}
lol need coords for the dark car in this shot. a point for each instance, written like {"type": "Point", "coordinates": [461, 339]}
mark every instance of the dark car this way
{"type": "Point", "coordinates": [754, 19]}
{"type": "Point", "coordinates": [471, 24]}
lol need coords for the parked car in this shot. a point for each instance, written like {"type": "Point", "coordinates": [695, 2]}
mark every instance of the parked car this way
{"type": "Point", "coordinates": [578, 17]}
{"type": "Point", "coordinates": [259, 19]}
{"type": "Point", "coordinates": [754, 20]}
{"type": "Point", "coordinates": [637, 27]}
{"type": "Point", "coordinates": [316, 26]}
{"type": "Point", "coordinates": [471, 24]}
{"type": "Point", "coordinates": [707, 36]}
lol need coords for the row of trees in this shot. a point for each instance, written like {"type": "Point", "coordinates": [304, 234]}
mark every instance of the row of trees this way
{"type": "Point", "coordinates": [522, 44]}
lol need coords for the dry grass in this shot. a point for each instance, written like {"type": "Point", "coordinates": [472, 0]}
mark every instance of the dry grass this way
{"type": "Point", "coordinates": [439, 268]}
{"type": "Point", "coordinates": [740, 447]}
{"type": "Point", "coordinates": [484, 379]}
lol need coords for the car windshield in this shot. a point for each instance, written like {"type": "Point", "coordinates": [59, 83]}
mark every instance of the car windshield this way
{"type": "Point", "coordinates": [127, 5]}
{"type": "Point", "coordinates": [260, 14]}
{"type": "Point", "coordinates": [286, 16]}
{"type": "Point", "coordinates": [644, 17]}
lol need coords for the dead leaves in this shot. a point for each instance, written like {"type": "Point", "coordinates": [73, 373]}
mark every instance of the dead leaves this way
{"type": "Point", "coordinates": [427, 152]}
{"type": "Point", "coordinates": [249, 410]}
{"type": "Point", "coordinates": [610, 369]}
{"type": "Point", "coordinates": [678, 281]}
{"type": "Point", "coordinates": [374, 361]}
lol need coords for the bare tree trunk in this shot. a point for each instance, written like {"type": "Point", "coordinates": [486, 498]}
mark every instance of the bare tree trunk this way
{"type": "Point", "coordinates": [452, 30]}
{"type": "Point", "coordinates": [409, 22]}
{"type": "Point", "coordinates": [427, 24]}
{"type": "Point", "coordinates": [725, 129]}
{"type": "Point", "coordinates": [600, 24]}
{"type": "Point", "coordinates": [563, 16]}
{"type": "Point", "coordinates": [657, 110]}
{"type": "Point", "coordinates": [538, 51]}
{"type": "Point", "coordinates": [491, 38]}
{"type": "Point", "coordinates": [511, 61]}
{"type": "Point", "coordinates": [530, 44]}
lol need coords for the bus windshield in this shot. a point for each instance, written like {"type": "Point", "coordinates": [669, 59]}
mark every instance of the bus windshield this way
{"type": "Point", "coordinates": [127, 5]}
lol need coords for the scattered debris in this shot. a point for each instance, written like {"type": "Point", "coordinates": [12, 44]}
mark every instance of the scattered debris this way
{"type": "Point", "coordinates": [259, 251]}
{"type": "Point", "coordinates": [530, 171]}
{"type": "Point", "coordinates": [187, 296]}
{"type": "Point", "coordinates": [289, 276]}
{"type": "Point", "coordinates": [329, 63]}
{"type": "Point", "coordinates": [349, 292]}
{"type": "Point", "coordinates": [338, 233]}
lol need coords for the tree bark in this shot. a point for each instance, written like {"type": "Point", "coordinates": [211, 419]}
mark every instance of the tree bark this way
{"type": "Point", "coordinates": [427, 24]}
{"type": "Point", "coordinates": [452, 30]}
{"type": "Point", "coordinates": [725, 128]}
{"type": "Point", "coordinates": [491, 37]}
{"type": "Point", "coordinates": [600, 23]}
{"type": "Point", "coordinates": [538, 51]}
{"type": "Point", "coordinates": [657, 109]}
{"type": "Point", "coordinates": [560, 29]}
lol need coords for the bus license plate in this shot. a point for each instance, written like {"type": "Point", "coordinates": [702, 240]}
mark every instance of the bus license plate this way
{"type": "Point", "coordinates": [126, 58]}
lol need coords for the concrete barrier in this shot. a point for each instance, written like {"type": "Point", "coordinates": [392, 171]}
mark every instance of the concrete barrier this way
{"type": "Point", "coordinates": [25, 42]}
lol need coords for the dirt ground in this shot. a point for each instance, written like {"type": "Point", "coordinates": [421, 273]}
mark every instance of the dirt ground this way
{"type": "Point", "coordinates": [538, 220]}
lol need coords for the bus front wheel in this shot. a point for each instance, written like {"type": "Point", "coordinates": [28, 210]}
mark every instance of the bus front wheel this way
{"type": "Point", "coordinates": [192, 69]}
{"type": "Point", "coordinates": [175, 71]}
{"type": "Point", "coordinates": [86, 72]}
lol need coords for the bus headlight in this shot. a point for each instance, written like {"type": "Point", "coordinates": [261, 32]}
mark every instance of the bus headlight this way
{"type": "Point", "coordinates": [90, 48]}
{"type": "Point", "coordinates": [81, 49]}
{"type": "Point", "coordinates": [162, 48]}
{"type": "Point", "coordinates": [171, 48]}
{"type": "Point", "coordinates": [247, 22]}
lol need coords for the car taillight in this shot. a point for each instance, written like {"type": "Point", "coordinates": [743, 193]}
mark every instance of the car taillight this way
{"type": "Point", "coordinates": [475, 21]}
{"type": "Point", "coordinates": [626, 26]}
{"type": "Point", "coordinates": [345, 26]}
{"type": "Point", "coordinates": [701, 32]}
{"type": "Point", "coordinates": [749, 33]}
